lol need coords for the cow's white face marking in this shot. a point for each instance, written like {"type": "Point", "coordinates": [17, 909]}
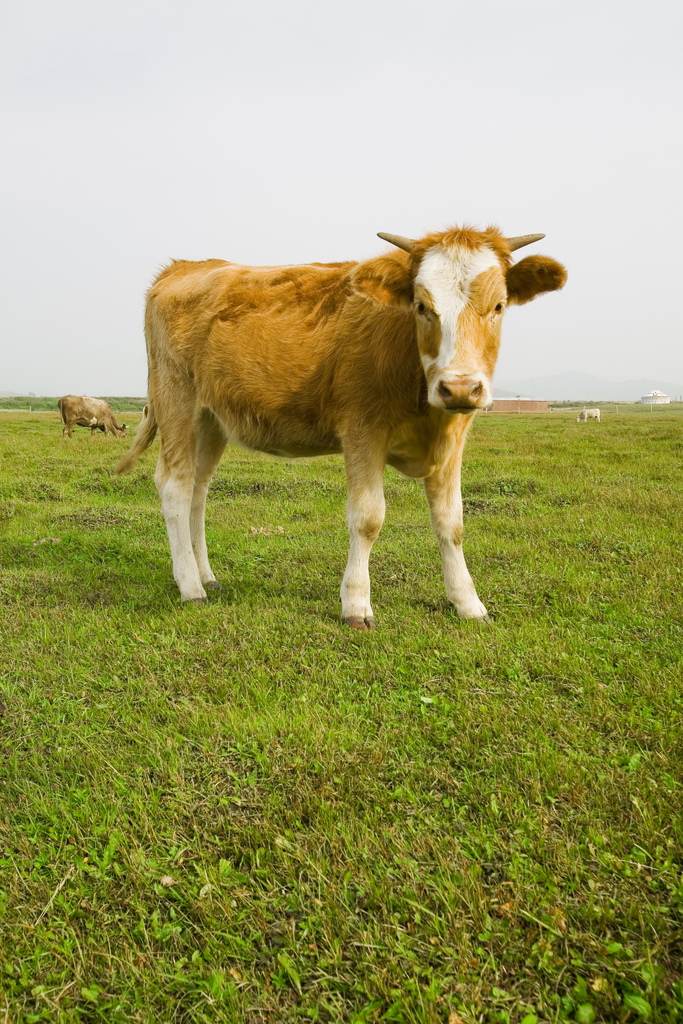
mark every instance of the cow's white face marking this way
{"type": "Point", "coordinates": [448, 275]}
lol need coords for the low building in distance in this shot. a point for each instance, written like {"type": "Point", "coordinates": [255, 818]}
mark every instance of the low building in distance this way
{"type": "Point", "coordinates": [655, 398]}
{"type": "Point", "coordinates": [518, 404]}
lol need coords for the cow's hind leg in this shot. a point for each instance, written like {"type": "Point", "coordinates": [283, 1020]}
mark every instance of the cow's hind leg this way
{"type": "Point", "coordinates": [174, 479]}
{"type": "Point", "coordinates": [211, 442]}
{"type": "Point", "coordinates": [364, 515]}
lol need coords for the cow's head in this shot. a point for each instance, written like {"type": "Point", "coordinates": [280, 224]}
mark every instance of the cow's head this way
{"type": "Point", "coordinates": [458, 284]}
{"type": "Point", "coordinates": [120, 429]}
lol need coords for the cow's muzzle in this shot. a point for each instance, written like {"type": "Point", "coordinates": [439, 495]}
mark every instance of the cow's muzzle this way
{"type": "Point", "coordinates": [463, 393]}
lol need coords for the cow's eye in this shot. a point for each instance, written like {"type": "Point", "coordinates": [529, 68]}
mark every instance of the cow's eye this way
{"type": "Point", "coordinates": [422, 309]}
{"type": "Point", "coordinates": [499, 308]}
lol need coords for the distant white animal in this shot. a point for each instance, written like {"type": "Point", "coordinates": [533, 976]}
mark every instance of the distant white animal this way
{"type": "Point", "coordinates": [588, 414]}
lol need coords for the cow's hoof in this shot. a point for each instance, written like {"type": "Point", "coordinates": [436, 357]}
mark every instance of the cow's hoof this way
{"type": "Point", "coordinates": [474, 611]}
{"type": "Point", "coordinates": [212, 585]}
{"type": "Point", "coordinates": [196, 600]}
{"type": "Point", "coordinates": [355, 622]}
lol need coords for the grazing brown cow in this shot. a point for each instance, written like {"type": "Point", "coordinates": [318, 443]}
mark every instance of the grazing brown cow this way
{"type": "Point", "coordinates": [385, 361]}
{"type": "Point", "coordinates": [82, 411]}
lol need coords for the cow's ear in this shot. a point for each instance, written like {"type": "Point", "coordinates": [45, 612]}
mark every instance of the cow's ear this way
{"type": "Point", "coordinates": [532, 276]}
{"type": "Point", "coordinates": [386, 279]}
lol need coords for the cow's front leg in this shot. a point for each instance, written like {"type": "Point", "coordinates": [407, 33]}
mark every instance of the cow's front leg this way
{"type": "Point", "coordinates": [445, 505]}
{"type": "Point", "coordinates": [364, 516]}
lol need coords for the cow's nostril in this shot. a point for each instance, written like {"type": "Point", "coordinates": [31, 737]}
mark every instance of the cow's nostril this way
{"type": "Point", "coordinates": [477, 389]}
{"type": "Point", "coordinates": [444, 391]}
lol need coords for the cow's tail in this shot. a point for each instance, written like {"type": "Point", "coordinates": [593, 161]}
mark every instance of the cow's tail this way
{"type": "Point", "coordinates": [147, 431]}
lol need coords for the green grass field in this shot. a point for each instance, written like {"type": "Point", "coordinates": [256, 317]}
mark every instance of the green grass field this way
{"type": "Point", "coordinates": [245, 812]}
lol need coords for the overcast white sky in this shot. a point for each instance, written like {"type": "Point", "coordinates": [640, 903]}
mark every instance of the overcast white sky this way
{"type": "Point", "coordinates": [267, 132]}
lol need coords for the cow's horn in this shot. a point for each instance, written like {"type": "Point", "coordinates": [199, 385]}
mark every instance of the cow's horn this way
{"type": "Point", "coordinates": [407, 244]}
{"type": "Point", "coordinates": [519, 240]}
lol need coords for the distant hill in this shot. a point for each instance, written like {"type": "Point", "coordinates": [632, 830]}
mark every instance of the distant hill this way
{"type": "Point", "coordinates": [584, 387]}
{"type": "Point", "coordinates": [11, 394]}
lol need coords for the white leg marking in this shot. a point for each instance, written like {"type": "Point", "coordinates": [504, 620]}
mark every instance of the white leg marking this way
{"type": "Point", "coordinates": [445, 506]}
{"type": "Point", "coordinates": [176, 500]}
{"type": "Point", "coordinates": [364, 515]}
{"type": "Point", "coordinates": [198, 532]}
{"type": "Point", "coordinates": [460, 589]}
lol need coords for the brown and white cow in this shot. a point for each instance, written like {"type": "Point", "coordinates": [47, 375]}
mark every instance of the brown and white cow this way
{"type": "Point", "coordinates": [81, 411]}
{"type": "Point", "coordinates": [588, 414]}
{"type": "Point", "coordinates": [385, 361]}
